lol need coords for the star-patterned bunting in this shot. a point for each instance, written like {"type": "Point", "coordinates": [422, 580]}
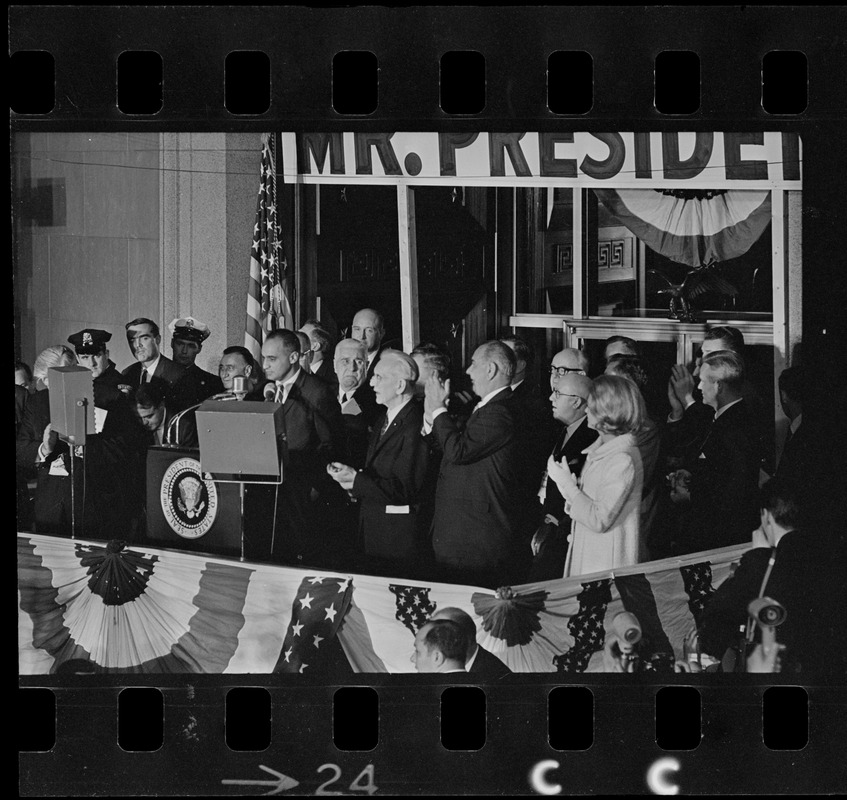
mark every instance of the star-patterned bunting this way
{"type": "Point", "coordinates": [317, 612]}
{"type": "Point", "coordinates": [414, 607]}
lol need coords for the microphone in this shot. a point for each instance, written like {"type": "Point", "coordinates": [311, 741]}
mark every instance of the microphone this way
{"type": "Point", "coordinates": [269, 391]}
{"type": "Point", "coordinates": [239, 387]}
{"type": "Point", "coordinates": [174, 423]}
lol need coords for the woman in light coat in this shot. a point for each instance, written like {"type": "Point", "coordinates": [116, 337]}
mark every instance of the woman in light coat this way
{"type": "Point", "coordinates": [605, 505]}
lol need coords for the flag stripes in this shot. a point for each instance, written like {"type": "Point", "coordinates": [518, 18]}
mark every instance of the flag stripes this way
{"type": "Point", "coordinates": [268, 306]}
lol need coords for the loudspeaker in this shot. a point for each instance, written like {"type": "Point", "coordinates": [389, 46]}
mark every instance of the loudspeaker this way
{"type": "Point", "coordinates": [71, 403]}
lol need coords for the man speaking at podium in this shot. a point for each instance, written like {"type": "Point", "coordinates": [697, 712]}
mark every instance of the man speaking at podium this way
{"type": "Point", "coordinates": [312, 429]}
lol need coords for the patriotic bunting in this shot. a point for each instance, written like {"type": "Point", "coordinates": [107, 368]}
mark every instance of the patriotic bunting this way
{"type": "Point", "coordinates": [691, 227]}
{"type": "Point", "coordinates": [135, 609]}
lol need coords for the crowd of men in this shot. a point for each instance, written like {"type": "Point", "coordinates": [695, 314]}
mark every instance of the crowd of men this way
{"type": "Point", "coordinates": [390, 471]}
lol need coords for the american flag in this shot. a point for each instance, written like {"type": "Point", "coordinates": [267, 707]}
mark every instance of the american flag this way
{"type": "Point", "coordinates": [320, 606]}
{"type": "Point", "coordinates": [414, 608]}
{"type": "Point", "coordinates": [267, 293]}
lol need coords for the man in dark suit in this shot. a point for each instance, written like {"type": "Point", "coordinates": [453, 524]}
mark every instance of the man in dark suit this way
{"type": "Point", "coordinates": [793, 567]}
{"type": "Point", "coordinates": [388, 487]}
{"type": "Point", "coordinates": [359, 408]}
{"type": "Point", "coordinates": [195, 385]}
{"type": "Point", "coordinates": [550, 542]}
{"type": "Point", "coordinates": [144, 341]}
{"type": "Point", "coordinates": [312, 430]}
{"type": "Point", "coordinates": [163, 425]}
{"type": "Point", "coordinates": [478, 661]}
{"type": "Point", "coordinates": [798, 450]}
{"type": "Point", "coordinates": [369, 327]}
{"type": "Point", "coordinates": [531, 412]}
{"type": "Point", "coordinates": [475, 506]}
{"type": "Point", "coordinates": [440, 647]}
{"type": "Point", "coordinates": [321, 345]}
{"type": "Point", "coordinates": [724, 475]}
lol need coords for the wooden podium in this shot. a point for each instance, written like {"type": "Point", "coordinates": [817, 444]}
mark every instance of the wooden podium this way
{"type": "Point", "coordinates": [186, 510]}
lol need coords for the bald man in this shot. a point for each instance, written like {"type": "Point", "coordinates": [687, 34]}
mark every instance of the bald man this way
{"type": "Point", "coordinates": [388, 486]}
{"type": "Point", "coordinates": [569, 401]}
{"type": "Point", "coordinates": [369, 327]}
{"type": "Point", "coordinates": [566, 362]}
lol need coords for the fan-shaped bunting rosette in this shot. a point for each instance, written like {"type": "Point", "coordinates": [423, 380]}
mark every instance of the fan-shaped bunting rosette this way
{"type": "Point", "coordinates": [510, 617]}
{"type": "Point", "coordinates": [693, 228]}
{"type": "Point", "coordinates": [118, 576]}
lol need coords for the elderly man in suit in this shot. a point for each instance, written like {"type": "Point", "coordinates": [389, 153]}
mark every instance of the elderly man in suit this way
{"type": "Point", "coordinates": [475, 504]}
{"type": "Point", "coordinates": [550, 542]}
{"type": "Point", "coordinates": [369, 327]}
{"type": "Point", "coordinates": [359, 408]}
{"type": "Point", "coordinates": [478, 660]}
{"type": "Point", "coordinates": [312, 430]}
{"type": "Point", "coordinates": [389, 485]}
{"type": "Point", "coordinates": [144, 341]}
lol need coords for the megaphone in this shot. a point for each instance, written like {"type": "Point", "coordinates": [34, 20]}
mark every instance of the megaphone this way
{"type": "Point", "coordinates": [628, 630]}
{"type": "Point", "coordinates": [767, 611]}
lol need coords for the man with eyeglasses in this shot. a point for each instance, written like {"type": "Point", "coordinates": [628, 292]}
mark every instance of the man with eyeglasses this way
{"type": "Point", "coordinates": [569, 361]}
{"type": "Point", "coordinates": [550, 543]}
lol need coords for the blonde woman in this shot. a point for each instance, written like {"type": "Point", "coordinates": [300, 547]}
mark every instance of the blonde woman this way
{"type": "Point", "coordinates": [605, 505]}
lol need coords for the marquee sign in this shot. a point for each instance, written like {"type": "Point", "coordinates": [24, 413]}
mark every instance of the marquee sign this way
{"type": "Point", "coordinates": [718, 160]}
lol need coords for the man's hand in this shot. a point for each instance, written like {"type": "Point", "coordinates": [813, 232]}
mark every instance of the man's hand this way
{"type": "Point", "coordinates": [676, 406]}
{"type": "Point", "coordinates": [49, 439]}
{"type": "Point", "coordinates": [683, 385]}
{"type": "Point", "coordinates": [436, 394]}
{"type": "Point", "coordinates": [341, 473]}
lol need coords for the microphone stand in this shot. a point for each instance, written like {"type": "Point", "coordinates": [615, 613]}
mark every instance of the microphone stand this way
{"type": "Point", "coordinates": [71, 447]}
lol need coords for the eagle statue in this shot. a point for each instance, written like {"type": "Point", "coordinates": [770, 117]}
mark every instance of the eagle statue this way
{"type": "Point", "coordinates": [697, 282]}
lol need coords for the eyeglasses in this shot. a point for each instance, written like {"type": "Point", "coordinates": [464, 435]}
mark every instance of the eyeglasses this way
{"type": "Point", "coordinates": [565, 394]}
{"type": "Point", "coordinates": [562, 371]}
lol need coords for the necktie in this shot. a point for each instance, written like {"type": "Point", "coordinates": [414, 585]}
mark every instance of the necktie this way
{"type": "Point", "coordinates": [384, 426]}
{"type": "Point", "coordinates": [343, 398]}
{"type": "Point", "coordinates": [279, 397]}
{"type": "Point", "coordinates": [143, 376]}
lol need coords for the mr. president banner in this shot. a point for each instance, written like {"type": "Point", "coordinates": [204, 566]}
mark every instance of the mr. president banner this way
{"type": "Point", "coordinates": [131, 609]}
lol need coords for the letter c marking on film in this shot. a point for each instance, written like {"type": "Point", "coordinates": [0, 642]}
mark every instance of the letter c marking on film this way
{"type": "Point", "coordinates": [657, 776]}
{"type": "Point", "coordinates": [538, 777]}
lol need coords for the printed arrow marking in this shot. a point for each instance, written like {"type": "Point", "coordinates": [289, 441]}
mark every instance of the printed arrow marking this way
{"type": "Point", "coordinates": [282, 782]}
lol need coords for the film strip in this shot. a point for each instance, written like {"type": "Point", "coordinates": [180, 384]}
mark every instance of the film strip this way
{"type": "Point", "coordinates": [453, 85]}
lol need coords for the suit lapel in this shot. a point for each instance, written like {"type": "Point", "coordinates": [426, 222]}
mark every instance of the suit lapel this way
{"type": "Point", "coordinates": [295, 388]}
{"type": "Point", "coordinates": [378, 441]}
